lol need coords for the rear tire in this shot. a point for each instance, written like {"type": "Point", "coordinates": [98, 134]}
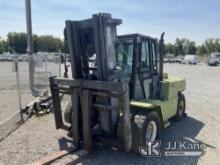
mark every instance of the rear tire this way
{"type": "Point", "coordinates": [146, 127]}
{"type": "Point", "coordinates": [181, 107]}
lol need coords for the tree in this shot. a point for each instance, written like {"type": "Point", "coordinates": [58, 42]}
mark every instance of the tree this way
{"type": "Point", "coordinates": [217, 45]}
{"type": "Point", "coordinates": [48, 43]}
{"type": "Point", "coordinates": [179, 44]}
{"type": "Point", "coordinates": [3, 46]}
{"type": "Point", "coordinates": [201, 50]}
{"type": "Point", "coordinates": [17, 41]}
{"type": "Point", "coordinates": [184, 46]}
{"type": "Point", "coordinates": [209, 45]}
{"type": "Point", "coordinates": [35, 43]}
{"type": "Point", "coordinates": [169, 48]}
{"type": "Point", "coordinates": [190, 47]}
{"type": "Point", "coordinates": [45, 43]}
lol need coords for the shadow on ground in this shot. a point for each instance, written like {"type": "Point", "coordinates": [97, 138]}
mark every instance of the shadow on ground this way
{"type": "Point", "coordinates": [185, 130]}
{"type": "Point", "coordinates": [65, 144]}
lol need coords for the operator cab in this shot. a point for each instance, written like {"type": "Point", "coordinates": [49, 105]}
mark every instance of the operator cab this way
{"type": "Point", "coordinates": [97, 53]}
{"type": "Point", "coordinates": [138, 61]}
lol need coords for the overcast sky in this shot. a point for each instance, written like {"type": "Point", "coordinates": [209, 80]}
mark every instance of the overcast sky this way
{"type": "Point", "coordinates": [194, 19]}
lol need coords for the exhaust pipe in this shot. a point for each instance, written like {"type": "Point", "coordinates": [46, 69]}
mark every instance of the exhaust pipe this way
{"type": "Point", "coordinates": [162, 52]}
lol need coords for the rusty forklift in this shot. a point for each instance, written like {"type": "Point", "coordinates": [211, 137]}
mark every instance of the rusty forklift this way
{"type": "Point", "coordinates": [119, 94]}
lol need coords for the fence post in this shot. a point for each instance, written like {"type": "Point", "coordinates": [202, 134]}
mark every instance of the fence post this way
{"type": "Point", "coordinates": [29, 43]}
{"type": "Point", "coordinates": [18, 89]}
{"type": "Point", "coordinates": [60, 66]}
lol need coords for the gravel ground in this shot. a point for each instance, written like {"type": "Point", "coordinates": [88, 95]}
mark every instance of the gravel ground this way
{"type": "Point", "coordinates": [38, 136]}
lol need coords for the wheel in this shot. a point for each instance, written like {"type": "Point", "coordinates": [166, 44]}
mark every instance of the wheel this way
{"type": "Point", "coordinates": [216, 64]}
{"type": "Point", "coordinates": [146, 127]}
{"type": "Point", "coordinates": [68, 112]}
{"type": "Point", "coordinates": [181, 106]}
{"type": "Point", "coordinates": [151, 131]}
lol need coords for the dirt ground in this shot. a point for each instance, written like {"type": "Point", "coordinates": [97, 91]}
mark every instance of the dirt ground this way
{"type": "Point", "coordinates": [38, 136]}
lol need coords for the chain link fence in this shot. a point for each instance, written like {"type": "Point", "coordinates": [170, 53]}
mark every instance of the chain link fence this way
{"type": "Point", "coordinates": [15, 92]}
{"type": "Point", "coordinates": [8, 91]}
{"type": "Point", "coordinates": [46, 65]}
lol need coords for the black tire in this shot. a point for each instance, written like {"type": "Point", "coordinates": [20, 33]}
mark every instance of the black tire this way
{"type": "Point", "coordinates": [68, 112]}
{"type": "Point", "coordinates": [181, 107]}
{"type": "Point", "coordinates": [139, 127]}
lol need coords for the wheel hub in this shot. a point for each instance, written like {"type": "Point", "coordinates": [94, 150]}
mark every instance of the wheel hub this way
{"type": "Point", "coordinates": [151, 131]}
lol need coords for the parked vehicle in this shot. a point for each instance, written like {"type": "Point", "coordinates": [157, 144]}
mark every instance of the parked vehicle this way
{"type": "Point", "coordinates": [191, 59]}
{"type": "Point", "coordinates": [179, 59]}
{"type": "Point", "coordinates": [7, 58]}
{"type": "Point", "coordinates": [165, 60]}
{"type": "Point", "coordinates": [22, 58]}
{"type": "Point", "coordinates": [214, 59]}
{"type": "Point", "coordinates": [169, 58]}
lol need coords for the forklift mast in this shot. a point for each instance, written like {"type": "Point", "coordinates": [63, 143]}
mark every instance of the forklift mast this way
{"type": "Point", "coordinates": [92, 42]}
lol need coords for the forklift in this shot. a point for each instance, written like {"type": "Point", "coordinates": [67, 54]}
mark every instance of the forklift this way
{"type": "Point", "coordinates": [119, 94]}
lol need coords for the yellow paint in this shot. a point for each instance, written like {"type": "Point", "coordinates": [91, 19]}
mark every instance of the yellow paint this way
{"type": "Point", "coordinates": [141, 104]}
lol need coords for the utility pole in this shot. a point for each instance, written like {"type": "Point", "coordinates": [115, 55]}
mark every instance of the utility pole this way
{"type": "Point", "coordinates": [30, 43]}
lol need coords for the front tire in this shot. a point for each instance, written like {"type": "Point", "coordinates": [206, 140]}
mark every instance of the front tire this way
{"type": "Point", "coordinates": [181, 107]}
{"type": "Point", "coordinates": [146, 127]}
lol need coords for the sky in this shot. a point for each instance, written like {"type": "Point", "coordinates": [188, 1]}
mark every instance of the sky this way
{"type": "Point", "coordinates": [193, 19]}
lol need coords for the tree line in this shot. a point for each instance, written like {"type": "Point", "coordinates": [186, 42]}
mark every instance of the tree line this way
{"type": "Point", "coordinates": [185, 46]}
{"type": "Point", "coordinates": [43, 43]}
{"type": "Point", "coordinates": [49, 43]}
